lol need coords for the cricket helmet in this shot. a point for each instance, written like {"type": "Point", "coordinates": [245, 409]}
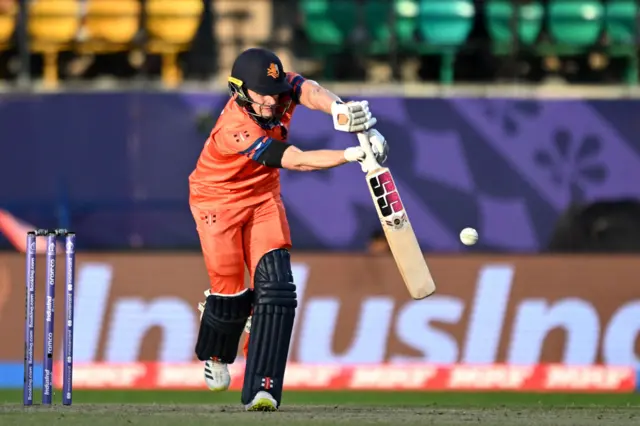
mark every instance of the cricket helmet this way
{"type": "Point", "coordinates": [261, 71]}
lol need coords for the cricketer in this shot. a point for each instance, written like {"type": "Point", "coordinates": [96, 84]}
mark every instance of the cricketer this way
{"type": "Point", "coordinates": [234, 195]}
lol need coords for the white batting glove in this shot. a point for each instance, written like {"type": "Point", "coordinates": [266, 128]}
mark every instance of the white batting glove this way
{"type": "Point", "coordinates": [379, 145]}
{"type": "Point", "coordinates": [352, 117]}
{"type": "Point", "coordinates": [355, 153]}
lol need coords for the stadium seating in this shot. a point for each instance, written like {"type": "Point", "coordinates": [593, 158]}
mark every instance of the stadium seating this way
{"type": "Point", "coordinates": [172, 25]}
{"type": "Point", "coordinates": [575, 25]}
{"type": "Point", "coordinates": [499, 19]}
{"type": "Point", "coordinates": [110, 26]}
{"type": "Point", "coordinates": [7, 27]}
{"type": "Point", "coordinates": [374, 27]}
{"type": "Point", "coordinates": [328, 24]}
{"type": "Point", "coordinates": [53, 25]}
{"type": "Point", "coordinates": [240, 24]}
{"type": "Point", "coordinates": [621, 20]}
{"type": "Point", "coordinates": [371, 31]}
{"type": "Point", "coordinates": [444, 26]}
{"type": "Point", "coordinates": [621, 23]}
{"type": "Point", "coordinates": [390, 22]}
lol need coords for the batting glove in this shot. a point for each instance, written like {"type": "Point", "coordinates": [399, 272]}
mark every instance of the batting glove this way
{"type": "Point", "coordinates": [352, 117]}
{"type": "Point", "coordinates": [379, 145]}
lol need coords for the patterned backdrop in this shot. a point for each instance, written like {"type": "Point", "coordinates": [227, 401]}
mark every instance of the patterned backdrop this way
{"type": "Point", "coordinates": [114, 167]}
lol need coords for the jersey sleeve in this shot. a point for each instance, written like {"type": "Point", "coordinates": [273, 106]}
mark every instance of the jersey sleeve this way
{"type": "Point", "coordinates": [296, 81]}
{"type": "Point", "coordinates": [249, 140]}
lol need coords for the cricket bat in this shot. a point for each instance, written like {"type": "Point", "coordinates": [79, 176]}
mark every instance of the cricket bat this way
{"type": "Point", "coordinates": [396, 225]}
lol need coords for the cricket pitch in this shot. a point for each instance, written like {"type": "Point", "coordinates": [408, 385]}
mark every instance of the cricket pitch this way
{"type": "Point", "coordinates": [329, 409]}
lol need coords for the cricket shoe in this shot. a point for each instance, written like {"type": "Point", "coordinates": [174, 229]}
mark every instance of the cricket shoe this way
{"type": "Point", "coordinates": [216, 375]}
{"type": "Point", "coordinates": [263, 401]}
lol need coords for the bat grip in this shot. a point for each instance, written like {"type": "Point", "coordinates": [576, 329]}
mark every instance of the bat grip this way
{"type": "Point", "coordinates": [369, 162]}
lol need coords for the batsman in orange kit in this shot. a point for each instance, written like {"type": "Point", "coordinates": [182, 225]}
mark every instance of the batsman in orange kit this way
{"type": "Point", "coordinates": [241, 220]}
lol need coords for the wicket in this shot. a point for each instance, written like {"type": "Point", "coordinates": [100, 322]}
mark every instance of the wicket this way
{"type": "Point", "coordinates": [29, 329]}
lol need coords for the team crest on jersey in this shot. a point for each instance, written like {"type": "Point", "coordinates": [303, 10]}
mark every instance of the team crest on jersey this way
{"type": "Point", "coordinates": [241, 137]}
{"type": "Point", "coordinates": [273, 71]}
{"type": "Point", "coordinates": [208, 218]}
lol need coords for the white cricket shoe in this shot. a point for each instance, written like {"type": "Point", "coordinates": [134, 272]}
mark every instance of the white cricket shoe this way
{"type": "Point", "coordinates": [216, 376]}
{"type": "Point", "coordinates": [263, 401]}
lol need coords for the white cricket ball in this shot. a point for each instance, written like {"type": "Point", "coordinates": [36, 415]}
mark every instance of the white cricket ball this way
{"type": "Point", "coordinates": [469, 236]}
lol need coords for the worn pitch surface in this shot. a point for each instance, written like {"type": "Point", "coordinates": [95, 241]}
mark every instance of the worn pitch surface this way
{"type": "Point", "coordinates": [96, 408]}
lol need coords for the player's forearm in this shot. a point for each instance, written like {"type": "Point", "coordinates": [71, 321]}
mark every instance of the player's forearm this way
{"type": "Point", "coordinates": [316, 97]}
{"type": "Point", "coordinates": [322, 159]}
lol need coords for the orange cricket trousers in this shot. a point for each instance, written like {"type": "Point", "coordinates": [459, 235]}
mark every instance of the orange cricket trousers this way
{"type": "Point", "coordinates": [233, 238]}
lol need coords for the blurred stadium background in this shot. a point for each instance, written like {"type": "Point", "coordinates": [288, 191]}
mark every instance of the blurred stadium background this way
{"type": "Point", "coordinates": [518, 118]}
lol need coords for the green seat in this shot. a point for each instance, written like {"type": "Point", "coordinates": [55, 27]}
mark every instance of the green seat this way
{"type": "Point", "coordinates": [446, 23]}
{"type": "Point", "coordinates": [380, 25]}
{"type": "Point", "coordinates": [499, 15]}
{"type": "Point", "coordinates": [406, 21]}
{"type": "Point", "coordinates": [328, 23]}
{"type": "Point", "coordinates": [444, 26]}
{"type": "Point", "coordinates": [575, 23]}
{"type": "Point", "coordinates": [621, 21]}
{"type": "Point", "coordinates": [621, 25]}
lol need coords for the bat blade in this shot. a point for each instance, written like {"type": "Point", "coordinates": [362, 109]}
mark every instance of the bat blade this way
{"type": "Point", "coordinates": [400, 235]}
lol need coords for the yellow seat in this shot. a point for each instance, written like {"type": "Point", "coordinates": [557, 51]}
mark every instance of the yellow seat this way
{"type": "Point", "coordinates": [172, 25]}
{"type": "Point", "coordinates": [8, 22]}
{"type": "Point", "coordinates": [53, 25]}
{"type": "Point", "coordinates": [110, 25]}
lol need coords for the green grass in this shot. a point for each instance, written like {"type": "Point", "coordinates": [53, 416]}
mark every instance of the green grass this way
{"type": "Point", "coordinates": [165, 408]}
{"type": "Point", "coordinates": [416, 399]}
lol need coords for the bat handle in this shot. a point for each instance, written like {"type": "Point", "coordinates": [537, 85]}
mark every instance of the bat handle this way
{"type": "Point", "coordinates": [369, 162]}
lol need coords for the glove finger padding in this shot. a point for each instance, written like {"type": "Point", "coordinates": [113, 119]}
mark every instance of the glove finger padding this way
{"type": "Point", "coordinates": [379, 145]}
{"type": "Point", "coordinates": [353, 117]}
{"type": "Point", "coordinates": [369, 124]}
{"type": "Point", "coordinates": [356, 106]}
{"type": "Point", "coordinates": [223, 320]}
{"type": "Point", "coordinates": [360, 120]}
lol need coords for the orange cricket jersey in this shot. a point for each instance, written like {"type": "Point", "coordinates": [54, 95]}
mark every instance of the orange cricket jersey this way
{"type": "Point", "coordinates": [227, 175]}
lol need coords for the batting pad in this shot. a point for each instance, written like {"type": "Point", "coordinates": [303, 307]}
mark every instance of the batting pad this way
{"type": "Point", "coordinates": [222, 324]}
{"type": "Point", "coordinates": [272, 323]}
